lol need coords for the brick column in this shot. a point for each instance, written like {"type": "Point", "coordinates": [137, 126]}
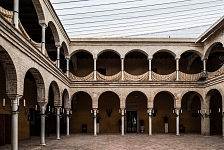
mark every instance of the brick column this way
{"type": "Point", "coordinates": [205, 119]}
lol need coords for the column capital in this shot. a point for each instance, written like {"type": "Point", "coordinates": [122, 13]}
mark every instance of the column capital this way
{"type": "Point", "coordinates": [42, 104]}
{"type": "Point", "coordinates": [122, 58]}
{"type": "Point", "coordinates": [204, 59]}
{"type": "Point", "coordinates": [177, 58]}
{"type": "Point", "coordinates": [150, 58]}
{"type": "Point", "coordinates": [58, 45]}
{"type": "Point", "coordinates": [67, 57]}
{"type": "Point", "coordinates": [42, 23]}
{"type": "Point", "coordinates": [94, 58]}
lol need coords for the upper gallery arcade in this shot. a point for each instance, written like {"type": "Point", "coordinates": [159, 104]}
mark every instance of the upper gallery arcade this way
{"type": "Point", "coordinates": [104, 85]}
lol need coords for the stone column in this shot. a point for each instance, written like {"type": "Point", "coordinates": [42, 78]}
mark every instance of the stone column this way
{"type": "Point", "coordinates": [58, 123]}
{"type": "Point", "coordinates": [150, 68]}
{"type": "Point", "coordinates": [16, 13]}
{"type": "Point", "coordinates": [42, 128]}
{"type": "Point", "coordinates": [43, 38]}
{"type": "Point", "coordinates": [67, 67]}
{"type": "Point", "coordinates": [67, 122]}
{"type": "Point", "coordinates": [94, 69]}
{"type": "Point", "coordinates": [122, 69]}
{"type": "Point", "coordinates": [177, 110]}
{"type": "Point", "coordinates": [122, 121]}
{"type": "Point", "coordinates": [58, 56]}
{"type": "Point", "coordinates": [94, 121]}
{"type": "Point", "coordinates": [150, 120]}
{"type": "Point", "coordinates": [204, 65]}
{"type": "Point", "coordinates": [177, 69]}
{"type": "Point", "coordinates": [14, 127]}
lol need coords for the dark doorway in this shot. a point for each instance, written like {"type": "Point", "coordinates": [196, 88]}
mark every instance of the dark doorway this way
{"type": "Point", "coordinates": [131, 121]}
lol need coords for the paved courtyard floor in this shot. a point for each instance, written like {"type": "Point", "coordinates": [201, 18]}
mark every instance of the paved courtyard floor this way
{"type": "Point", "coordinates": [127, 142]}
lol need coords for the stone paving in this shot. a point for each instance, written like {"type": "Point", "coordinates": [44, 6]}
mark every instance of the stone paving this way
{"type": "Point", "coordinates": [127, 142]}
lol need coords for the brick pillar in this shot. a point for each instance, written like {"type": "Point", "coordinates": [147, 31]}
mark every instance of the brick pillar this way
{"type": "Point", "coordinates": [205, 119]}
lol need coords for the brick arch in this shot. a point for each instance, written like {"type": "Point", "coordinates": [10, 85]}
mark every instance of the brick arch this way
{"type": "Point", "coordinates": [39, 83]}
{"type": "Point", "coordinates": [137, 50]}
{"type": "Point", "coordinates": [65, 99]}
{"type": "Point", "coordinates": [10, 73]}
{"type": "Point", "coordinates": [194, 51]}
{"type": "Point", "coordinates": [54, 32]}
{"type": "Point", "coordinates": [65, 49]}
{"type": "Point", "coordinates": [56, 91]}
{"type": "Point", "coordinates": [173, 96]}
{"type": "Point", "coordinates": [111, 92]}
{"type": "Point", "coordinates": [207, 51]}
{"type": "Point", "coordinates": [71, 99]}
{"type": "Point", "coordinates": [39, 10]}
{"type": "Point", "coordinates": [189, 102]}
{"type": "Point", "coordinates": [108, 50]}
{"type": "Point", "coordinates": [80, 50]}
{"type": "Point", "coordinates": [136, 91]}
{"type": "Point", "coordinates": [165, 50]}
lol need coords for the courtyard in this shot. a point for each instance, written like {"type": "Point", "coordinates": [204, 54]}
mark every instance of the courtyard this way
{"type": "Point", "coordinates": [127, 142]}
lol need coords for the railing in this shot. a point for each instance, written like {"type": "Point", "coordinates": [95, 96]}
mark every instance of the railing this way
{"type": "Point", "coordinates": [86, 78]}
{"type": "Point", "coordinates": [189, 77]}
{"type": "Point", "coordinates": [168, 77]}
{"type": "Point", "coordinates": [215, 73]}
{"type": "Point", "coordinates": [115, 77]}
{"type": "Point", "coordinates": [8, 15]}
{"type": "Point", "coordinates": [129, 77]}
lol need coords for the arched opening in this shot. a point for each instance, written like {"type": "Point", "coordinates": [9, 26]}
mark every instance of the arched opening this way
{"type": "Point", "coordinates": [136, 63]}
{"type": "Point", "coordinates": [81, 63]}
{"type": "Point", "coordinates": [28, 20]}
{"type": "Point", "coordinates": [136, 108]}
{"type": "Point", "coordinates": [190, 63]}
{"type": "Point", "coordinates": [190, 118]}
{"type": "Point", "coordinates": [108, 117]}
{"type": "Point", "coordinates": [163, 63]}
{"type": "Point", "coordinates": [53, 100]}
{"type": "Point", "coordinates": [216, 109]}
{"type": "Point", "coordinates": [81, 119]}
{"type": "Point", "coordinates": [163, 113]}
{"type": "Point", "coordinates": [8, 82]}
{"type": "Point", "coordinates": [215, 58]}
{"type": "Point", "coordinates": [108, 63]}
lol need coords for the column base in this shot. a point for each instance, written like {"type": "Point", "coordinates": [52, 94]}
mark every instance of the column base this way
{"type": "Point", "coordinates": [68, 135]}
{"type": "Point", "coordinates": [94, 135]}
{"type": "Point", "coordinates": [58, 138]}
{"type": "Point", "coordinates": [43, 144]}
{"type": "Point", "coordinates": [177, 134]}
{"type": "Point", "coordinates": [150, 134]}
